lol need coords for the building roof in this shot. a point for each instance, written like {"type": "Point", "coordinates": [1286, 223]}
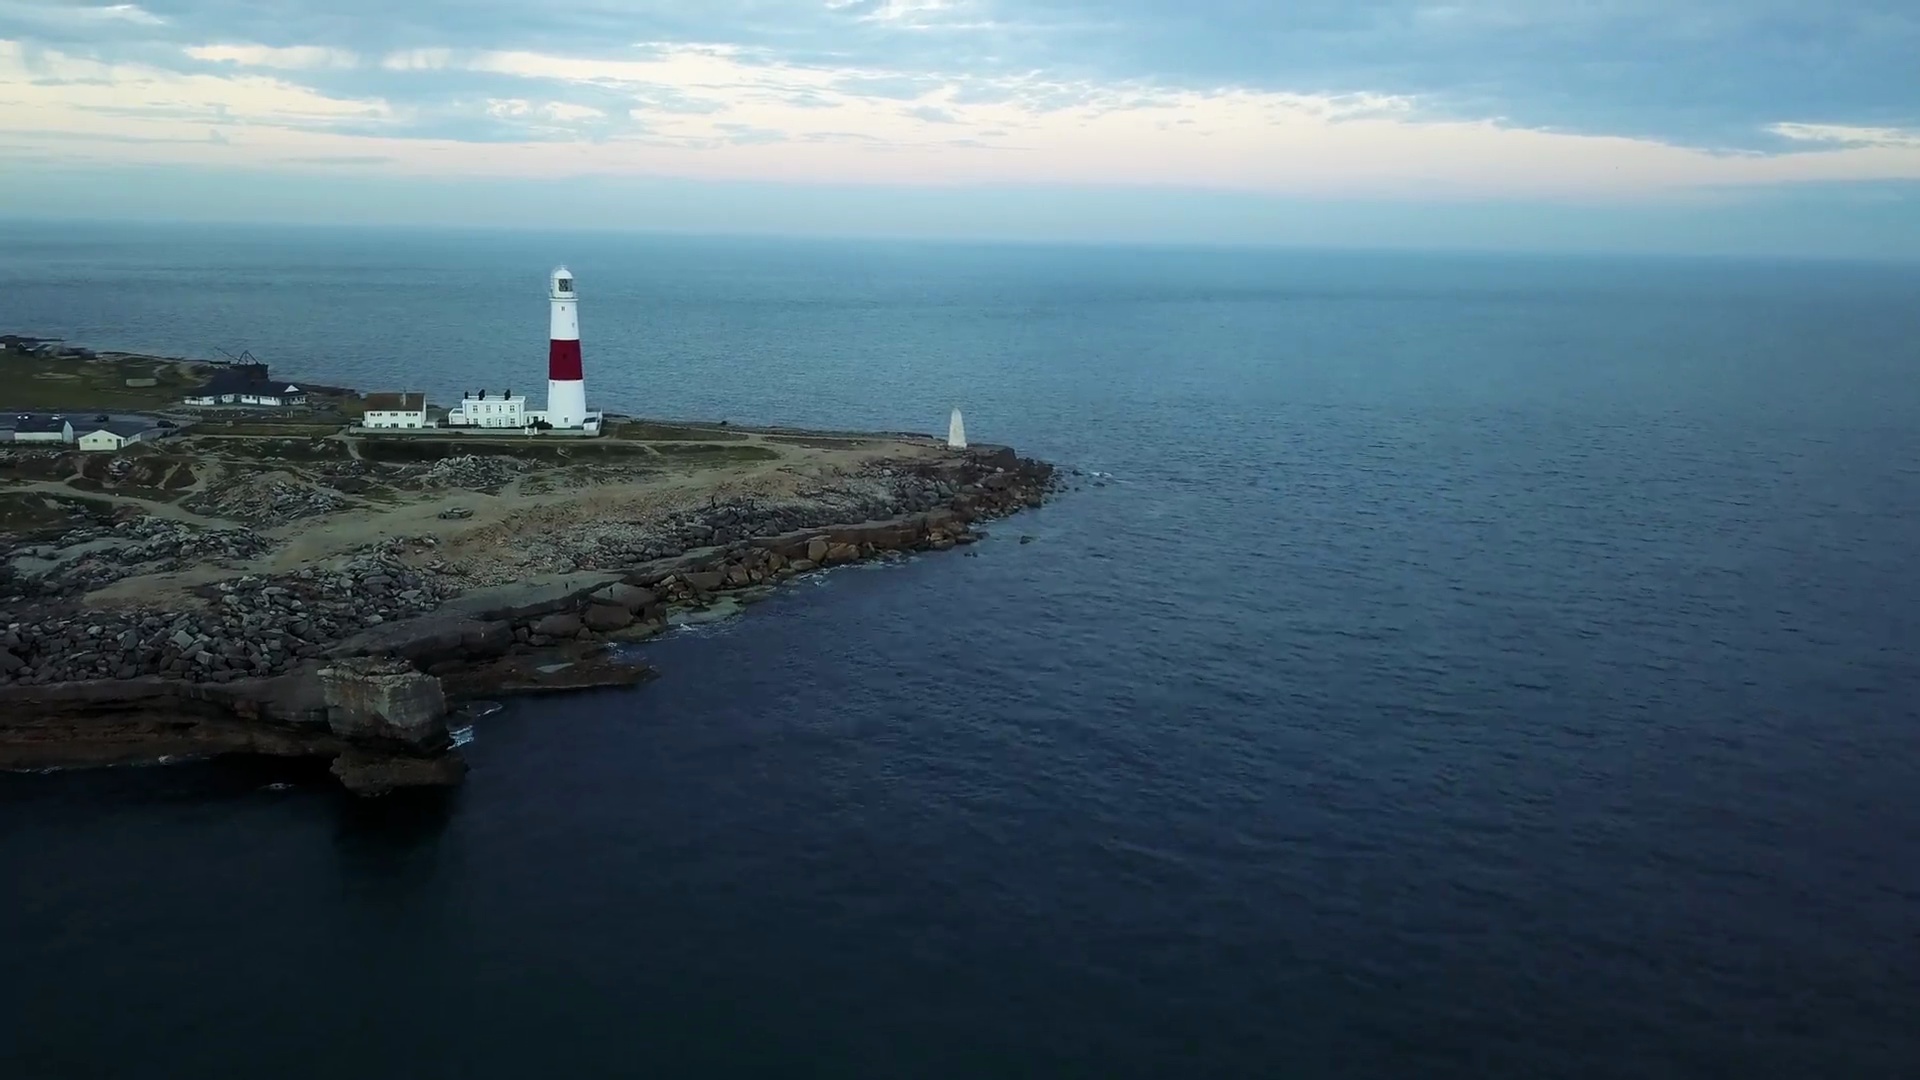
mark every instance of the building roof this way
{"type": "Point", "coordinates": [44, 425]}
{"type": "Point", "coordinates": [226, 382]}
{"type": "Point", "coordinates": [242, 382]}
{"type": "Point", "coordinates": [396, 402]}
{"type": "Point", "coordinates": [126, 429]}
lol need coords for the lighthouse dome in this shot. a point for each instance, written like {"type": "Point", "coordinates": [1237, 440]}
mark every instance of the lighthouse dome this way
{"type": "Point", "coordinates": [560, 286]}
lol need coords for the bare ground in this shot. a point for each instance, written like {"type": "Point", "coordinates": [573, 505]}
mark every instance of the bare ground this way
{"type": "Point", "coordinates": [319, 499]}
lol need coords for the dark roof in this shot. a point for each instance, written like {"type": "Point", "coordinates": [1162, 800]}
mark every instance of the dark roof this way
{"type": "Point", "coordinates": [241, 382]}
{"type": "Point", "coordinates": [396, 402]}
{"type": "Point", "coordinates": [225, 382]}
{"type": "Point", "coordinates": [44, 425]}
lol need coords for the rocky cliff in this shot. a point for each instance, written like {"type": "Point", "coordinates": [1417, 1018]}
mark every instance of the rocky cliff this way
{"type": "Point", "coordinates": [357, 663]}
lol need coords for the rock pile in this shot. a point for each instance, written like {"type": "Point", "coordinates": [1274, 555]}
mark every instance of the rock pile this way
{"type": "Point", "coordinates": [96, 556]}
{"type": "Point", "coordinates": [879, 493]}
{"type": "Point", "coordinates": [257, 625]}
{"type": "Point", "coordinates": [474, 472]}
{"type": "Point", "coordinates": [267, 502]}
{"type": "Point", "coordinates": [252, 626]}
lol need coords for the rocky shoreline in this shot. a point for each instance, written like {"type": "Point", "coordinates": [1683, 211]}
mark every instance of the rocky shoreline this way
{"type": "Point", "coordinates": [364, 662]}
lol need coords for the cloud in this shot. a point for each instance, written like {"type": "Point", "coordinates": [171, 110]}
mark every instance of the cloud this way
{"type": "Point", "coordinates": [338, 159]}
{"type": "Point", "coordinates": [76, 15]}
{"type": "Point", "coordinates": [290, 58]}
{"type": "Point", "coordinates": [1847, 135]}
{"type": "Point", "coordinates": [1432, 98]}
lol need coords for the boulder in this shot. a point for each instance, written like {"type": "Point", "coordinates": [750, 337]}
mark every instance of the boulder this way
{"type": "Point", "coordinates": [801, 566]}
{"type": "Point", "coordinates": [705, 580]}
{"type": "Point", "coordinates": [10, 663]}
{"type": "Point", "coordinates": [738, 574]}
{"type": "Point", "coordinates": [817, 551]}
{"type": "Point", "coordinates": [431, 639]}
{"type": "Point", "coordinates": [632, 597]}
{"type": "Point", "coordinates": [367, 774]}
{"type": "Point", "coordinates": [841, 553]}
{"type": "Point", "coordinates": [384, 698]}
{"type": "Point", "coordinates": [606, 618]}
{"type": "Point", "coordinates": [562, 624]}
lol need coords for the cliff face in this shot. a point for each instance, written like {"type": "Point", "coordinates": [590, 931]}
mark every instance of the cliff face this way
{"type": "Point", "coordinates": [376, 702]}
{"type": "Point", "coordinates": [376, 699]}
{"type": "Point", "coordinates": [383, 723]}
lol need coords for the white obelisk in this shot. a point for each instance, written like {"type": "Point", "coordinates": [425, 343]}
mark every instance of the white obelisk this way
{"type": "Point", "coordinates": [956, 432]}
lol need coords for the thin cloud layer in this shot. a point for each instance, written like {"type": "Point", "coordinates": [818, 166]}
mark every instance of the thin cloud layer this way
{"type": "Point", "coordinates": [1480, 98]}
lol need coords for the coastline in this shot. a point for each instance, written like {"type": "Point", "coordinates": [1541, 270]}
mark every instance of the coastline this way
{"type": "Point", "coordinates": [365, 660]}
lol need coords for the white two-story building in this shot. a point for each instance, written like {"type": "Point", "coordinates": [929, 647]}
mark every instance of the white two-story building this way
{"type": "Point", "coordinates": [404, 411]}
{"type": "Point", "coordinates": [490, 410]}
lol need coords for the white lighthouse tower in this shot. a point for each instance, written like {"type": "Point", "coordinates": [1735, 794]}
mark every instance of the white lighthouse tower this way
{"type": "Point", "coordinates": [566, 391]}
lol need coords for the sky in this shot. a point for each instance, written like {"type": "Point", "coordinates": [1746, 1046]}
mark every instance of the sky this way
{"type": "Point", "coordinates": [1712, 126]}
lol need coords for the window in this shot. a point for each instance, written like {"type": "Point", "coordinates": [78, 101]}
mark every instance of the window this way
{"type": "Point", "coordinates": [565, 285]}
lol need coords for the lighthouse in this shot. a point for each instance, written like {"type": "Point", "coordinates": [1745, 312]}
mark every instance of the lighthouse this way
{"type": "Point", "coordinates": [566, 392]}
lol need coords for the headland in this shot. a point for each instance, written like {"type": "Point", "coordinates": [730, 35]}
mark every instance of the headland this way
{"type": "Point", "coordinates": [283, 580]}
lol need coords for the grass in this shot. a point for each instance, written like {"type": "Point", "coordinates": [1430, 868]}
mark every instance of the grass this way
{"type": "Point", "coordinates": [431, 448]}
{"type": "Point", "coordinates": [818, 442]}
{"type": "Point", "coordinates": [714, 454]}
{"type": "Point", "coordinates": [271, 450]}
{"type": "Point", "coordinates": [266, 428]}
{"type": "Point", "coordinates": [46, 384]}
{"type": "Point", "coordinates": [24, 514]}
{"type": "Point", "coordinates": [650, 431]}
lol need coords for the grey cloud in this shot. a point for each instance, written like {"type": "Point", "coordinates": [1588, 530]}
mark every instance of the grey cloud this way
{"type": "Point", "coordinates": [931, 114]}
{"type": "Point", "coordinates": [339, 159]}
{"type": "Point", "coordinates": [1708, 71]}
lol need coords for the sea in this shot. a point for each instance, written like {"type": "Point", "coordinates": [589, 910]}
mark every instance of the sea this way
{"type": "Point", "coordinates": [1442, 666]}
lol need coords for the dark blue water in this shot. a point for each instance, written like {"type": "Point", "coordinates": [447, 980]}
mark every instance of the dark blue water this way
{"type": "Point", "coordinates": [1478, 666]}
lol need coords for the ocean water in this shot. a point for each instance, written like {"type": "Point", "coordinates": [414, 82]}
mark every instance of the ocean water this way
{"type": "Point", "coordinates": [1475, 666]}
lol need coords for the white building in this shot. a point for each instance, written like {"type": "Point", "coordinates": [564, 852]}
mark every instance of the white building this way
{"type": "Point", "coordinates": [116, 434]}
{"type": "Point", "coordinates": [406, 411]}
{"type": "Point", "coordinates": [489, 410]}
{"type": "Point", "coordinates": [42, 429]}
{"type": "Point", "coordinates": [247, 386]}
{"type": "Point", "coordinates": [275, 394]}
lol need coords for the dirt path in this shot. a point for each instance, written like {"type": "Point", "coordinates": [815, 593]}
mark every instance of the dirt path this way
{"type": "Point", "coordinates": [157, 509]}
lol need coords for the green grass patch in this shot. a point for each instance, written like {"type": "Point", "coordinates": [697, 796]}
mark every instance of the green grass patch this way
{"type": "Point", "coordinates": [419, 448]}
{"type": "Point", "coordinates": [709, 454]}
{"type": "Point", "coordinates": [651, 431]}
{"type": "Point", "coordinates": [819, 442]}
{"type": "Point", "coordinates": [47, 384]}
{"type": "Point", "coordinates": [248, 449]}
{"type": "Point", "coordinates": [25, 514]}
{"type": "Point", "coordinates": [306, 429]}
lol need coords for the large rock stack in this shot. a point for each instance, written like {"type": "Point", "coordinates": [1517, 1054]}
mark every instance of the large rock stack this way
{"type": "Point", "coordinates": [393, 719]}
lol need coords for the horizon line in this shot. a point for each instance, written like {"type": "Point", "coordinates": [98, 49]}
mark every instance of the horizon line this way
{"type": "Point", "coordinates": [982, 241]}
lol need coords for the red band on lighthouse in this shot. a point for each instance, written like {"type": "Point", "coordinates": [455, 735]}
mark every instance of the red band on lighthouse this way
{"type": "Point", "coordinates": [563, 361]}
